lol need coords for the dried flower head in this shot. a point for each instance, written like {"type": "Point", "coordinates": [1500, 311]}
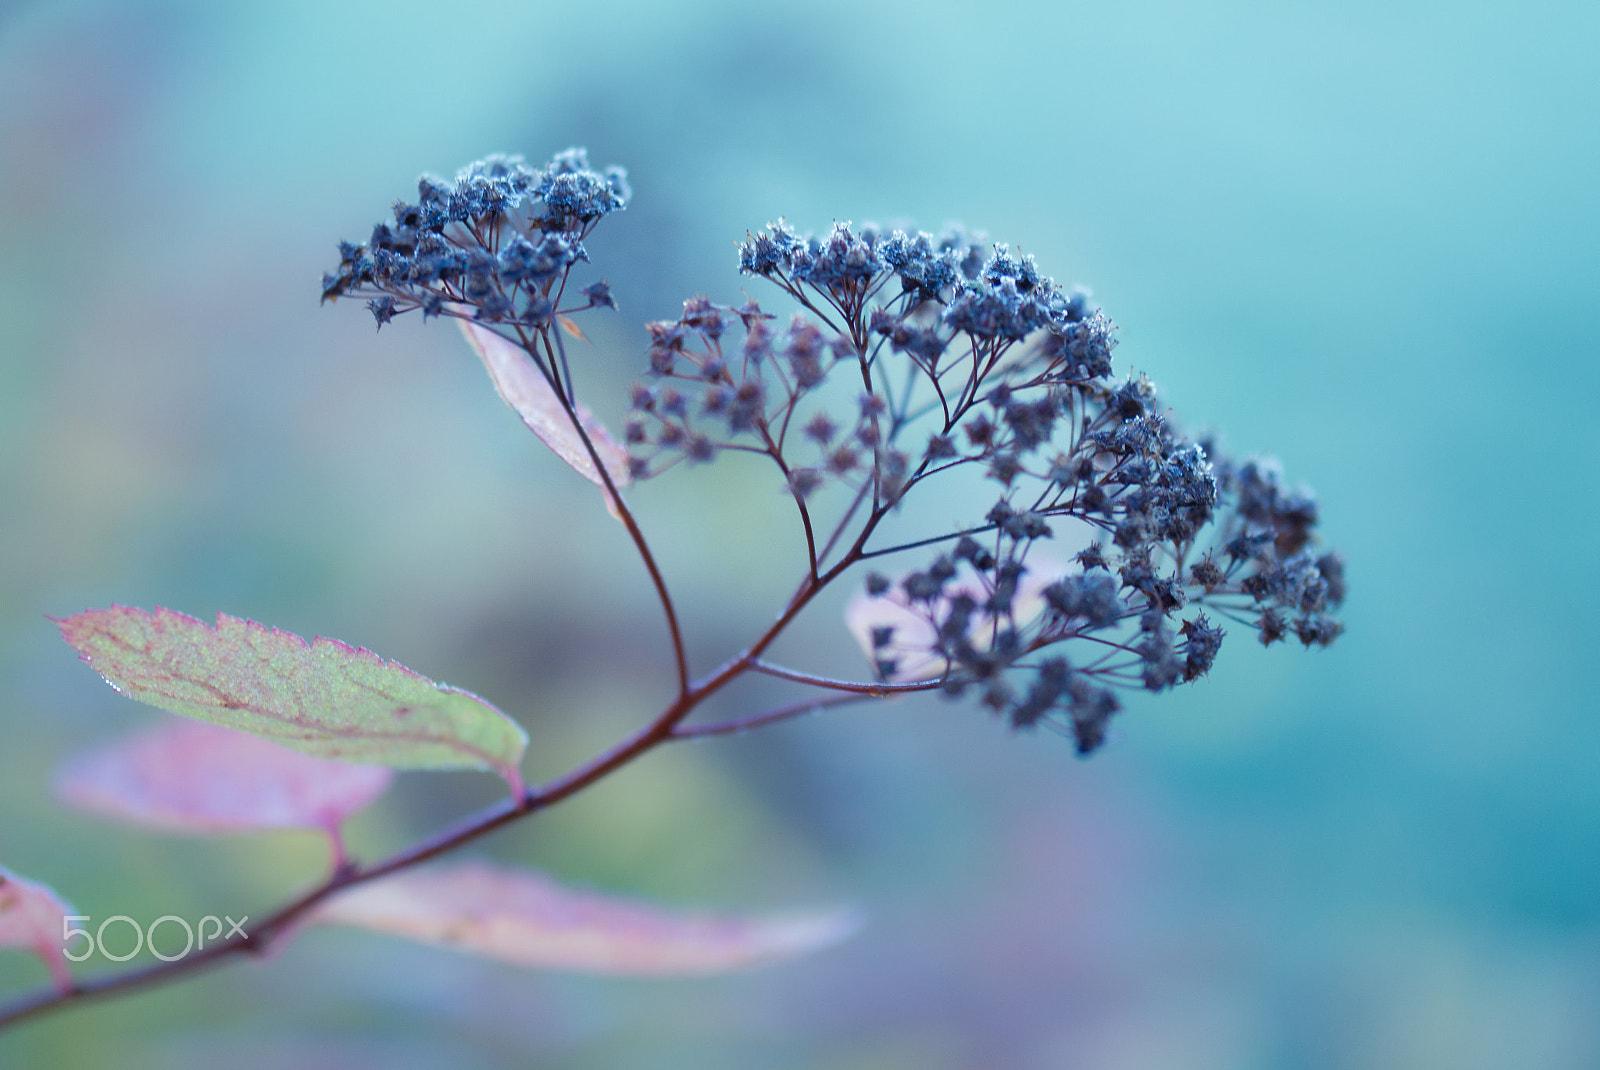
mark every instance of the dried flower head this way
{"type": "Point", "coordinates": [968, 356]}
{"type": "Point", "coordinates": [496, 245]}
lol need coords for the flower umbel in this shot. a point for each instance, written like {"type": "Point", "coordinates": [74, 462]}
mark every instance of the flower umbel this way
{"type": "Point", "coordinates": [968, 357]}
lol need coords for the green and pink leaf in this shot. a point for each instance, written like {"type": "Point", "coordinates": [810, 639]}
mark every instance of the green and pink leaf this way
{"type": "Point", "coordinates": [322, 698]}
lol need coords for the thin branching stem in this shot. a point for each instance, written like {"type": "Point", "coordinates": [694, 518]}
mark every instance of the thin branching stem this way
{"type": "Point", "coordinates": [873, 689]}
{"type": "Point", "coordinates": [932, 540]}
{"type": "Point", "coordinates": [740, 725]}
{"type": "Point", "coordinates": [625, 514]}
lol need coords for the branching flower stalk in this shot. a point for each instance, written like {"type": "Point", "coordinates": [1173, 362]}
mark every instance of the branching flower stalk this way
{"type": "Point", "coordinates": [907, 358]}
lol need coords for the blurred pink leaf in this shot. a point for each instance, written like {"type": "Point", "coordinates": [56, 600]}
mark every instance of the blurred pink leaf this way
{"type": "Point", "coordinates": [31, 918]}
{"type": "Point", "coordinates": [526, 919]}
{"type": "Point", "coordinates": [197, 777]}
{"type": "Point", "coordinates": [322, 698]}
{"type": "Point", "coordinates": [522, 386]}
{"type": "Point", "coordinates": [913, 646]}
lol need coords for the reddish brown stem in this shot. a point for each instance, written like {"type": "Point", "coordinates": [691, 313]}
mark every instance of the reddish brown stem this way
{"type": "Point", "coordinates": [664, 728]}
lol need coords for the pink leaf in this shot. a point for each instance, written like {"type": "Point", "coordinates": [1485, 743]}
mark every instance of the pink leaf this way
{"type": "Point", "coordinates": [524, 918]}
{"type": "Point", "coordinates": [196, 777]}
{"type": "Point", "coordinates": [913, 646]}
{"type": "Point", "coordinates": [32, 918]}
{"type": "Point", "coordinates": [321, 698]}
{"type": "Point", "coordinates": [523, 386]}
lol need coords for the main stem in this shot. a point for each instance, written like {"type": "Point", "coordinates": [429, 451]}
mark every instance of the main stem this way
{"type": "Point", "coordinates": [663, 728]}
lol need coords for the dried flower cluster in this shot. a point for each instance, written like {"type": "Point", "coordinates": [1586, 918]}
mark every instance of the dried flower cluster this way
{"type": "Point", "coordinates": [963, 355]}
{"type": "Point", "coordinates": [969, 356]}
{"type": "Point", "coordinates": [497, 246]}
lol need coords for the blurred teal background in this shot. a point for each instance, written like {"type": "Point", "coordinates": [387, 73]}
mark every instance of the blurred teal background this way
{"type": "Point", "coordinates": [1360, 236]}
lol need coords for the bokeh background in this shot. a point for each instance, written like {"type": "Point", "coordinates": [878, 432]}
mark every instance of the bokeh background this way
{"type": "Point", "coordinates": [1361, 236]}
